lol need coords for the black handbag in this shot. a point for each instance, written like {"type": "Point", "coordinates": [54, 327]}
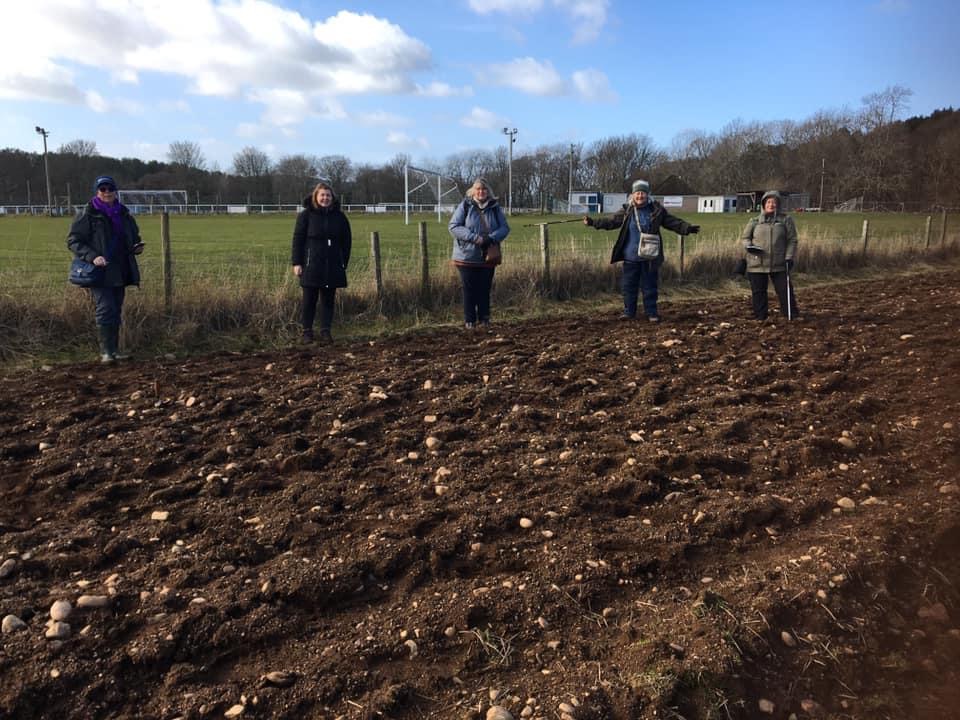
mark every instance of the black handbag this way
{"type": "Point", "coordinates": [84, 274]}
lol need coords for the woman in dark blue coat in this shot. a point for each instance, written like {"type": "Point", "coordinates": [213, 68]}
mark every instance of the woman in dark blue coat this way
{"type": "Point", "coordinates": [106, 234]}
{"type": "Point", "coordinates": [321, 252]}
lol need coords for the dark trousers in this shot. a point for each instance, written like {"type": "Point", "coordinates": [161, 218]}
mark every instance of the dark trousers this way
{"type": "Point", "coordinates": [640, 276]}
{"type": "Point", "coordinates": [326, 296]}
{"type": "Point", "coordinates": [477, 282]}
{"type": "Point", "coordinates": [109, 304]}
{"type": "Point", "coordinates": [758, 293]}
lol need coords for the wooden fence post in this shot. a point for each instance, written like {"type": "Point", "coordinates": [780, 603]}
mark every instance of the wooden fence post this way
{"type": "Point", "coordinates": [927, 233]}
{"type": "Point", "coordinates": [424, 261]}
{"type": "Point", "coordinates": [865, 236]}
{"type": "Point", "coordinates": [943, 227]}
{"type": "Point", "coordinates": [375, 255]}
{"type": "Point", "coordinates": [166, 264]}
{"type": "Point", "coordinates": [545, 256]}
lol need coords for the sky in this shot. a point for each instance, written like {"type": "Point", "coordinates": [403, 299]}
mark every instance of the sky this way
{"type": "Point", "coordinates": [370, 79]}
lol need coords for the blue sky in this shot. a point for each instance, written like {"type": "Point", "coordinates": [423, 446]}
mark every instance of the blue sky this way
{"type": "Point", "coordinates": [370, 79]}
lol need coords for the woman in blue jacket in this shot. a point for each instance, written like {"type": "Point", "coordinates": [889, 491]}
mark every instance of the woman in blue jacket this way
{"type": "Point", "coordinates": [106, 234]}
{"type": "Point", "coordinates": [478, 226]}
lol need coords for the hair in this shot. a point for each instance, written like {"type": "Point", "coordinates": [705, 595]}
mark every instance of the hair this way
{"type": "Point", "coordinates": [320, 186]}
{"type": "Point", "coordinates": [481, 181]}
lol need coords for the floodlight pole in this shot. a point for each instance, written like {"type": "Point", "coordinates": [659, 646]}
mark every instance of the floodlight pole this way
{"type": "Point", "coordinates": [823, 170]}
{"type": "Point", "coordinates": [46, 166]}
{"type": "Point", "coordinates": [570, 191]}
{"type": "Point", "coordinates": [512, 134]}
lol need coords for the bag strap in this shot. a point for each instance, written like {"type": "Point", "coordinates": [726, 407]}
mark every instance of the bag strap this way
{"type": "Point", "coordinates": [483, 220]}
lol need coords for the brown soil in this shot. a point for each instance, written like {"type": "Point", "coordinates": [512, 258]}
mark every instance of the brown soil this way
{"type": "Point", "coordinates": [682, 481]}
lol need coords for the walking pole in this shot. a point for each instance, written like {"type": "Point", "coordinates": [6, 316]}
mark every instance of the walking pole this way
{"type": "Point", "coordinates": [789, 298]}
{"type": "Point", "coordinates": [554, 222]}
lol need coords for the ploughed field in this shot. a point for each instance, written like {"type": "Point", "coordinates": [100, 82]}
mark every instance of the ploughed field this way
{"type": "Point", "coordinates": [708, 518]}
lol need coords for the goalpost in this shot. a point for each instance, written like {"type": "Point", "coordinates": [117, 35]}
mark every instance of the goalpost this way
{"type": "Point", "coordinates": [426, 176]}
{"type": "Point", "coordinates": [145, 201]}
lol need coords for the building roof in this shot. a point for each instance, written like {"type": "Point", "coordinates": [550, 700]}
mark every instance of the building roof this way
{"type": "Point", "coordinates": [674, 185]}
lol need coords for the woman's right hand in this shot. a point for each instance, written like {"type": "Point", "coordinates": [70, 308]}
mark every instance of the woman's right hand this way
{"type": "Point", "coordinates": [587, 221]}
{"type": "Point", "coordinates": [298, 270]}
{"type": "Point", "coordinates": [100, 261]}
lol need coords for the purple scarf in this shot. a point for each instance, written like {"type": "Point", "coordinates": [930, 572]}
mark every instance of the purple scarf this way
{"type": "Point", "coordinates": [114, 212]}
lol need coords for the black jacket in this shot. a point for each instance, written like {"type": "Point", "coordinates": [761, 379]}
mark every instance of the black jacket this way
{"type": "Point", "coordinates": [658, 217]}
{"type": "Point", "coordinates": [322, 244]}
{"type": "Point", "coordinates": [90, 236]}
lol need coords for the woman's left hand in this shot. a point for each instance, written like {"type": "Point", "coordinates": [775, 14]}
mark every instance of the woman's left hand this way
{"type": "Point", "coordinates": [138, 248]}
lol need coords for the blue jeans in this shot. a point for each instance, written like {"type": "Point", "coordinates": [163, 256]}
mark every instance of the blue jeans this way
{"type": "Point", "coordinates": [109, 304]}
{"type": "Point", "coordinates": [636, 276]}
{"type": "Point", "coordinates": [477, 282]}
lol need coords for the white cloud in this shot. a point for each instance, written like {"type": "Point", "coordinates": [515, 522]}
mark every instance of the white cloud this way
{"type": "Point", "coordinates": [401, 139]}
{"type": "Point", "coordinates": [244, 48]}
{"type": "Point", "coordinates": [527, 75]}
{"type": "Point", "coordinates": [593, 86]}
{"type": "Point", "coordinates": [481, 119]}
{"type": "Point", "coordinates": [485, 7]}
{"type": "Point", "coordinates": [442, 89]}
{"type": "Point", "coordinates": [586, 16]}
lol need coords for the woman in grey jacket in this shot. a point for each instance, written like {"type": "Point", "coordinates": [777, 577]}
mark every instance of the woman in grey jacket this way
{"type": "Point", "coordinates": [771, 244]}
{"type": "Point", "coordinates": [478, 226]}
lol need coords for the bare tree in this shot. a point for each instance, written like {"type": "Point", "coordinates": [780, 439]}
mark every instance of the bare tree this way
{"type": "Point", "coordinates": [337, 170]}
{"type": "Point", "coordinates": [294, 176]}
{"type": "Point", "coordinates": [80, 148]}
{"type": "Point", "coordinates": [614, 161]}
{"type": "Point", "coordinates": [251, 162]}
{"type": "Point", "coordinates": [186, 154]}
{"type": "Point", "coordinates": [882, 108]}
{"type": "Point", "coordinates": [252, 166]}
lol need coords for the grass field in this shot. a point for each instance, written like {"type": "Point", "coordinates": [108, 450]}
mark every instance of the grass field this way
{"type": "Point", "coordinates": [255, 250]}
{"type": "Point", "coordinates": [233, 286]}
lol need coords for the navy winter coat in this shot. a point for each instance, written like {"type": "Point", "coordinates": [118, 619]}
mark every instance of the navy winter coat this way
{"type": "Point", "coordinates": [321, 244]}
{"type": "Point", "coordinates": [91, 235]}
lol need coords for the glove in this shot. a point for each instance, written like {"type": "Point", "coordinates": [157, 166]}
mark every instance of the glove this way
{"type": "Point", "coordinates": [789, 264]}
{"type": "Point", "coordinates": [693, 229]}
{"type": "Point", "coordinates": [588, 221]}
{"type": "Point", "coordinates": [482, 242]}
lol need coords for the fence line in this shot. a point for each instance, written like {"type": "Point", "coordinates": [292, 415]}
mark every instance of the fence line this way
{"type": "Point", "coordinates": [542, 260]}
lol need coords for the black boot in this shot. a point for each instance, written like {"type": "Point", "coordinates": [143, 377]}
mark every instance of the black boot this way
{"type": "Point", "coordinates": [107, 347]}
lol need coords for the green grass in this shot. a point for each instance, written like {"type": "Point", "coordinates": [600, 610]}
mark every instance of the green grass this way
{"type": "Point", "coordinates": [255, 250]}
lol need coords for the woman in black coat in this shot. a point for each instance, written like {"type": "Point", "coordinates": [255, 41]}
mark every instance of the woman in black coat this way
{"type": "Point", "coordinates": [106, 234]}
{"type": "Point", "coordinates": [321, 251]}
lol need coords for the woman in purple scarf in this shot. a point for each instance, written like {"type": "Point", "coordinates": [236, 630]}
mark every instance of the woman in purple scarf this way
{"type": "Point", "coordinates": [106, 235]}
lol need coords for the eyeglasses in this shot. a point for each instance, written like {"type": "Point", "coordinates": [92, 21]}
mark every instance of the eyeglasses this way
{"type": "Point", "coordinates": [106, 188]}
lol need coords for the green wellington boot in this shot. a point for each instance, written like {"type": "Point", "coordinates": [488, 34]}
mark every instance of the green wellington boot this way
{"type": "Point", "coordinates": [107, 346]}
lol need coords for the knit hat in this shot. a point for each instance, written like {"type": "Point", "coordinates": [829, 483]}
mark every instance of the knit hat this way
{"type": "Point", "coordinates": [639, 185]}
{"type": "Point", "coordinates": [104, 180]}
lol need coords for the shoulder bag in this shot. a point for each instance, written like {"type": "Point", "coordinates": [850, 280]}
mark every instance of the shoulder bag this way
{"type": "Point", "coordinates": [85, 274]}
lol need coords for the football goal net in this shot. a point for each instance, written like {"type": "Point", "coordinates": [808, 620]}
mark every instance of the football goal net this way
{"type": "Point", "coordinates": [437, 185]}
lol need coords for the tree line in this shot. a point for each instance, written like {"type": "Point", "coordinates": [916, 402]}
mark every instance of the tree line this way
{"type": "Point", "coordinates": [868, 153]}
